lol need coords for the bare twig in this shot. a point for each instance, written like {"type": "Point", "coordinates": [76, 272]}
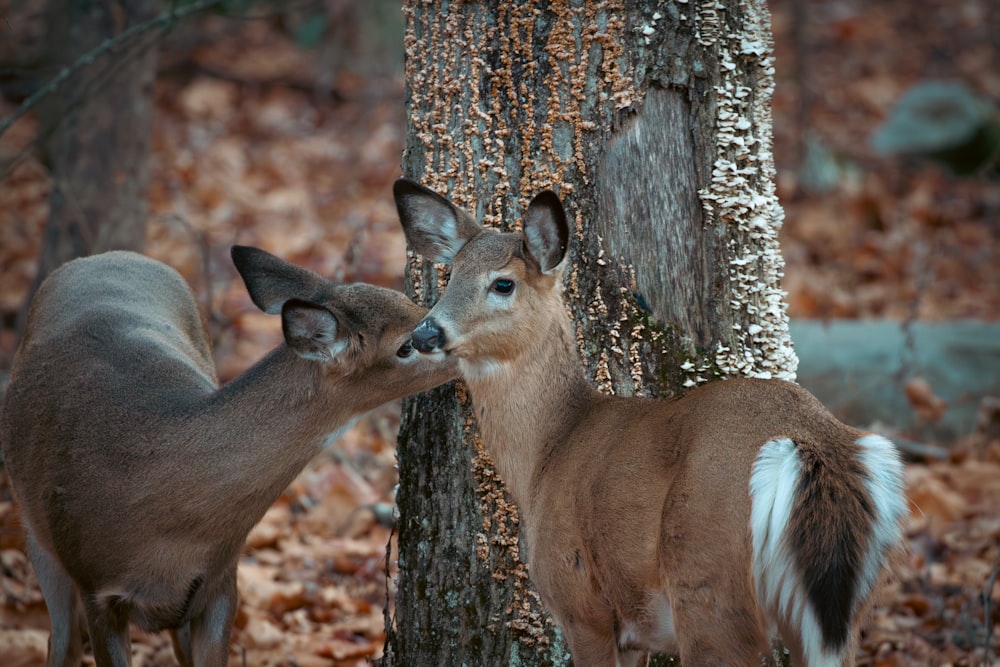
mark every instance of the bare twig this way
{"type": "Point", "coordinates": [919, 451]}
{"type": "Point", "coordinates": [96, 83]}
{"type": "Point", "coordinates": [204, 245]}
{"type": "Point", "coordinates": [162, 21]}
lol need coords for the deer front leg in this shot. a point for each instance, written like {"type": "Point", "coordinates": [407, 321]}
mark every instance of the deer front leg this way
{"type": "Point", "coordinates": [62, 601]}
{"type": "Point", "coordinates": [107, 620]}
{"type": "Point", "coordinates": [181, 640]}
{"type": "Point", "coordinates": [210, 630]}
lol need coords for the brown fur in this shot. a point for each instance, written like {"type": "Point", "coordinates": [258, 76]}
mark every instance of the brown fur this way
{"type": "Point", "coordinates": [635, 511]}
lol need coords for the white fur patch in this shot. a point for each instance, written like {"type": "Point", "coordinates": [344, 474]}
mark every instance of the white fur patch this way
{"type": "Point", "coordinates": [480, 369]}
{"type": "Point", "coordinates": [653, 629]}
{"type": "Point", "coordinates": [337, 348]}
{"type": "Point", "coordinates": [772, 490]}
{"type": "Point", "coordinates": [629, 635]}
{"type": "Point", "coordinates": [662, 636]}
{"type": "Point", "coordinates": [330, 353]}
{"type": "Point", "coordinates": [812, 643]}
{"type": "Point", "coordinates": [444, 230]}
{"type": "Point", "coordinates": [885, 486]}
{"type": "Point", "coordinates": [773, 482]}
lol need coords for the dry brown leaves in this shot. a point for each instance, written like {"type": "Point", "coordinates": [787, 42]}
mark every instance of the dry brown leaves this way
{"type": "Point", "coordinates": [943, 606]}
{"type": "Point", "coordinates": [244, 152]}
{"type": "Point", "coordinates": [886, 238]}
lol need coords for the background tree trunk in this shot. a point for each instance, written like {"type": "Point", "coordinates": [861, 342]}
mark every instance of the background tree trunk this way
{"type": "Point", "coordinates": [652, 121]}
{"type": "Point", "coordinates": [98, 126]}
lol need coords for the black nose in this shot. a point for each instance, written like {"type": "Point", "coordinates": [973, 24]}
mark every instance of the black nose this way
{"type": "Point", "coordinates": [428, 336]}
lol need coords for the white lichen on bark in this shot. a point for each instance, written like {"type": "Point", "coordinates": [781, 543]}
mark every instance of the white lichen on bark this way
{"type": "Point", "coordinates": [741, 195]}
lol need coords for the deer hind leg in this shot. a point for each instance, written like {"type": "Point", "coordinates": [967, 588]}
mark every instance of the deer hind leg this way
{"type": "Point", "coordinates": [62, 601]}
{"type": "Point", "coordinates": [723, 642]}
{"type": "Point", "coordinates": [714, 629]}
{"type": "Point", "coordinates": [107, 618]}
{"type": "Point", "coordinates": [597, 645]}
{"type": "Point", "coordinates": [210, 629]}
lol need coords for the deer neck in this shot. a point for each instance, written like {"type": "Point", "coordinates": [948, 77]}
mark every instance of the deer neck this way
{"type": "Point", "coordinates": [262, 428]}
{"type": "Point", "coordinates": [527, 405]}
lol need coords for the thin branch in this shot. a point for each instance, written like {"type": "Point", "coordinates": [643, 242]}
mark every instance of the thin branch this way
{"type": "Point", "coordinates": [110, 44]}
{"type": "Point", "coordinates": [90, 87]}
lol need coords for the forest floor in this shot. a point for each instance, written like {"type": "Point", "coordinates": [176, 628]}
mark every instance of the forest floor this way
{"type": "Point", "coordinates": [248, 149]}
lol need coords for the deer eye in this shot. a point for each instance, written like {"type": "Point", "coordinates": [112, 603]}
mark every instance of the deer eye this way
{"type": "Point", "coordinates": [502, 286]}
{"type": "Point", "coordinates": [405, 350]}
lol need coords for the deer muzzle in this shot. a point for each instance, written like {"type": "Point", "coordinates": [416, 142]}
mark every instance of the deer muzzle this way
{"type": "Point", "coordinates": [428, 336]}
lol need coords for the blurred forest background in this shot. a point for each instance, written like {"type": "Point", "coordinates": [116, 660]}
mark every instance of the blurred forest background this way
{"type": "Point", "coordinates": [281, 125]}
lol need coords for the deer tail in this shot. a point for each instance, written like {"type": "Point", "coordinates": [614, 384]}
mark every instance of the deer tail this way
{"type": "Point", "coordinates": [824, 521]}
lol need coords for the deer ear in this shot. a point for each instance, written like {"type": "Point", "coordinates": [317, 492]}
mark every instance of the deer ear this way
{"type": "Point", "coordinates": [546, 233]}
{"type": "Point", "coordinates": [434, 227]}
{"type": "Point", "coordinates": [311, 330]}
{"type": "Point", "coordinates": [272, 281]}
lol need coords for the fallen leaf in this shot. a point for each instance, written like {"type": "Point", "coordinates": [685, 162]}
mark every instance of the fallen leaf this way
{"type": "Point", "coordinates": [929, 408]}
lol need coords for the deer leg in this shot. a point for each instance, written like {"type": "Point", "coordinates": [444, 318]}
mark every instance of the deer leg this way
{"type": "Point", "coordinates": [591, 648]}
{"type": "Point", "coordinates": [631, 658]}
{"type": "Point", "coordinates": [62, 600]}
{"type": "Point", "coordinates": [715, 632]}
{"type": "Point", "coordinates": [109, 638]}
{"type": "Point", "coordinates": [181, 640]}
{"type": "Point", "coordinates": [211, 628]}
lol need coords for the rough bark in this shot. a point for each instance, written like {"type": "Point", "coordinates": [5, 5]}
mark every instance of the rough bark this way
{"type": "Point", "coordinates": [98, 132]}
{"type": "Point", "coordinates": [22, 49]}
{"type": "Point", "coordinates": [652, 121]}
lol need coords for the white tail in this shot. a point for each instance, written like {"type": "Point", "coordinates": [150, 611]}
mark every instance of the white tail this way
{"type": "Point", "coordinates": [707, 525]}
{"type": "Point", "coordinates": [138, 477]}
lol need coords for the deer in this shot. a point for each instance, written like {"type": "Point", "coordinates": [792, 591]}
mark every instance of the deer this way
{"type": "Point", "coordinates": [706, 525]}
{"type": "Point", "coordinates": [138, 477]}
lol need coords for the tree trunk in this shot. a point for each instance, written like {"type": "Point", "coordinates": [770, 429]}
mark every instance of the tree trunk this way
{"type": "Point", "coordinates": [98, 126]}
{"type": "Point", "coordinates": [652, 121]}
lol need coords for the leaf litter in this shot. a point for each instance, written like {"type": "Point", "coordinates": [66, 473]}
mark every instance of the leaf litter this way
{"type": "Point", "coordinates": [250, 151]}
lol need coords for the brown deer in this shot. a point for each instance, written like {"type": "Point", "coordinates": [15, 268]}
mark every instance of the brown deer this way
{"type": "Point", "coordinates": [138, 478]}
{"type": "Point", "coordinates": [707, 525]}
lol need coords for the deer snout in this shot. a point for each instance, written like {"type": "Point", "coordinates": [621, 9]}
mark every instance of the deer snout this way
{"type": "Point", "coordinates": [428, 336]}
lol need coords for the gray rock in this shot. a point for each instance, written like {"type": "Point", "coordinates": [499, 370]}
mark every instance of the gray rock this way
{"type": "Point", "coordinates": [859, 370]}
